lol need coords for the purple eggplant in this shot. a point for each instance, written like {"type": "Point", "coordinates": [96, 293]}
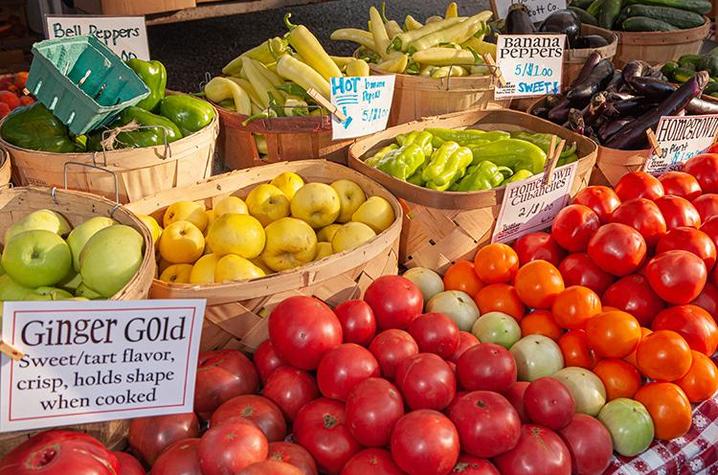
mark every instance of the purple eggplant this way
{"type": "Point", "coordinates": [540, 111]}
{"type": "Point", "coordinates": [609, 129]}
{"type": "Point", "coordinates": [589, 41]}
{"type": "Point", "coordinates": [559, 113]}
{"type": "Point", "coordinates": [575, 121]}
{"type": "Point", "coordinates": [591, 62]}
{"type": "Point", "coordinates": [563, 21]}
{"type": "Point", "coordinates": [616, 82]}
{"type": "Point", "coordinates": [633, 69]}
{"type": "Point", "coordinates": [650, 87]}
{"type": "Point", "coordinates": [518, 21]}
{"type": "Point", "coordinates": [633, 136]}
{"type": "Point", "coordinates": [619, 96]}
{"type": "Point", "coordinates": [596, 81]}
{"type": "Point", "coordinates": [552, 100]}
{"type": "Point", "coordinates": [595, 108]}
{"type": "Point", "coordinates": [699, 106]}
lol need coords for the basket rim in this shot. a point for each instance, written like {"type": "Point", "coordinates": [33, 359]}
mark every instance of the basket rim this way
{"type": "Point", "coordinates": [610, 49]}
{"type": "Point", "coordinates": [635, 37]}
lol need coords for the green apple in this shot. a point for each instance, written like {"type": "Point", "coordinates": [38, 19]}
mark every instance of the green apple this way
{"type": "Point", "coordinates": [82, 233]}
{"type": "Point", "coordinates": [11, 290]}
{"type": "Point", "coordinates": [2, 270]}
{"type": "Point", "coordinates": [41, 219]}
{"type": "Point", "coordinates": [70, 282]}
{"type": "Point", "coordinates": [83, 291]}
{"type": "Point", "coordinates": [37, 258]}
{"type": "Point", "coordinates": [53, 293]}
{"type": "Point", "coordinates": [110, 259]}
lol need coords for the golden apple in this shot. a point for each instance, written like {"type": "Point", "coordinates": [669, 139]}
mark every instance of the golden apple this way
{"type": "Point", "coordinates": [324, 249]}
{"type": "Point", "coordinates": [327, 233]}
{"type": "Point", "coordinates": [192, 211]}
{"type": "Point", "coordinates": [239, 234]}
{"type": "Point", "coordinates": [290, 243]}
{"type": "Point", "coordinates": [230, 204]}
{"type": "Point", "coordinates": [153, 225]}
{"type": "Point", "coordinates": [317, 204]}
{"type": "Point", "coordinates": [257, 261]}
{"type": "Point", "coordinates": [233, 267]}
{"type": "Point", "coordinates": [351, 235]}
{"type": "Point", "coordinates": [351, 196]}
{"type": "Point", "coordinates": [177, 274]}
{"type": "Point", "coordinates": [211, 215]}
{"type": "Point", "coordinates": [267, 203]}
{"type": "Point", "coordinates": [376, 212]}
{"type": "Point", "coordinates": [203, 270]}
{"type": "Point", "coordinates": [288, 182]}
{"type": "Point", "coordinates": [181, 243]}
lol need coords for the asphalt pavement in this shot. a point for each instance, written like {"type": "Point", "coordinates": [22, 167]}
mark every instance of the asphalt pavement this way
{"type": "Point", "coordinates": [192, 50]}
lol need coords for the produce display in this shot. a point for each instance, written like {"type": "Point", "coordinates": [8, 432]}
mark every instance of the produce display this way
{"type": "Point", "coordinates": [469, 159]}
{"type": "Point", "coordinates": [279, 226]}
{"type": "Point", "coordinates": [645, 15]}
{"type": "Point", "coordinates": [567, 22]}
{"type": "Point", "coordinates": [687, 65]}
{"type": "Point", "coordinates": [11, 92]}
{"type": "Point", "coordinates": [158, 119]}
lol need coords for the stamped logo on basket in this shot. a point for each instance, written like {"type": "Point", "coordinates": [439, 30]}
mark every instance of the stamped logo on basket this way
{"type": "Point", "coordinates": [538, 9]}
{"type": "Point", "coordinates": [531, 65]}
{"type": "Point", "coordinates": [95, 361]}
{"type": "Point", "coordinates": [679, 139]}
{"type": "Point", "coordinates": [363, 104]}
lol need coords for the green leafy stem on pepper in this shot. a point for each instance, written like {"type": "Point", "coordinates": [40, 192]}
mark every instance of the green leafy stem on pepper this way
{"type": "Point", "coordinates": [467, 160]}
{"type": "Point", "coordinates": [156, 120]}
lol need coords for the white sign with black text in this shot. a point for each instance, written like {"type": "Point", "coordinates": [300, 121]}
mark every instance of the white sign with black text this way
{"type": "Point", "coordinates": [679, 139]}
{"type": "Point", "coordinates": [538, 9]}
{"type": "Point", "coordinates": [530, 64]}
{"type": "Point", "coordinates": [98, 360]}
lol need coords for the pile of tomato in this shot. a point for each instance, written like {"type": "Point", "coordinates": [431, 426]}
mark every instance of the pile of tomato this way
{"type": "Point", "coordinates": [12, 92]}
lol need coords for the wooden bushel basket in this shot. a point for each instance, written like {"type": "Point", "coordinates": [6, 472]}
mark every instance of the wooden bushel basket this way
{"type": "Point", "coordinates": [236, 311]}
{"type": "Point", "coordinates": [442, 227]}
{"type": "Point", "coordinates": [140, 172]}
{"type": "Point", "coordinates": [76, 207]}
{"type": "Point", "coordinates": [5, 169]}
{"type": "Point", "coordinates": [612, 164]}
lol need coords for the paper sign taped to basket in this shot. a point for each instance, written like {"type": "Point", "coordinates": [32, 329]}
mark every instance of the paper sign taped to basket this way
{"type": "Point", "coordinates": [530, 206]}
{"type": "Point", "coordinates": [365, 103]}
{"type": "Point", "coordinates": [538, 9]}
{"type": "Point", "coordinates": [530, 64]}
{"type": "Point", "coordinates": [681, 138]}
{"type": "Point", "coordinates": [126, 36]}
{"type": "Point", "coordinates": [98, 361]}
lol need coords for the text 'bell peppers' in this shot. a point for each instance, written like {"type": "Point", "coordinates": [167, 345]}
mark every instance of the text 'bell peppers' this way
{"type": "Point", "coordinates": [512, 153]}
{"type": "Point", "coordinates": [188, 113]}
{"type": "Point", "coordinates": [154, 75]}
{"type": "Point", "coordinates": [403, 162]}
{"type": "Point", "coordinates": [484, 176]}
{"type": "Point", "coordinates": [34, 127]}
{"type": "Point", "coordinates": [448, 163]}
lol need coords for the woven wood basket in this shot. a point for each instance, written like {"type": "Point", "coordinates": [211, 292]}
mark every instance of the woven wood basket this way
{"type": "Point", "coordinates": [76, 207]}
{"type": "Point", "coordinates": [235, 316]}
{"type": "Point", "coordinates": [5, 169]}
{"type": "Point", "coordinates": [439, 227]}
{"type": "Point", "coordinates": [288, 139]}
{"type": "Point", "coordinates": [139, 172]}
{"type": "Point", "coordinates": [612, 164]}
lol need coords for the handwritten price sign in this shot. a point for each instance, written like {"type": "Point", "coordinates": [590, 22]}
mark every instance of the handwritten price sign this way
{"type": "Point", "coordinates": [364, 101]}
{"type": "Point", "coordinates": [681, 138]}
{"type": "Point", "coordinates": [538, 9]}
{"type": "Point", "coordinates": [530, 64]}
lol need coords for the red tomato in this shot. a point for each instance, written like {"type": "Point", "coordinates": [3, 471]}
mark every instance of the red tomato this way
{"type": "Point", "coordinates": [372, 409]}
{"type": "Point", "coordinates": [390, 348]}
{"type": "Point", "coordinates": [579, 269]}
{"type": "Point", "coordinates": [425, 442]}
{"type": "Point", "coordinates": [470, 465]}
{"type": "Point", "coordinates": [150, 436]}
{"type": "Point", "coordinates": [466, 341]}
{"type": "Point", "coordinates": [221, 375]}
{"type": "Point", "coordinates": [180, 458]}
{"type": "Point", "coordinates": [601, 199]}
{"type": "Point", "coordinates": [302, 329]}
{"type": "Point", "coordinates": [374, 461]}
{"type": "Point", "coordinates": [677, 276]}
{"type": "Point", "coordinates": [692, 323]}
{"type": "Point", "coordinates": [533, 246]}
{"type": "Point", "coordinates": [706, 205]}
{"type": "Point", "coordinates": [321, 429]}
{"type": "Point", "coordinates": [680, 184]}
{"type": "Point", "coordinates": [343, 368]}
{"type": "Point", "coordinates": [396, 301]}
{"type": "Point", "coordinates": [487, 367]}
{"type": "Point", "coordinates": [293, 454]}
{"type": "Point", "coordinates": [270, 467]}
{"type": "Point", "coordinates": [691, 240]}
{"type": "Point", "coordinates": [357, 320]}
{"type": "Point", "coordinates": [515, 395]}
{"type": "Point", "coordinates": [60, 452]}
{"type": "Point", "coordinates": [617, 249]}
{"type": "Point", "coordinates": [266, 360]}
{"type": "Point", "coordinates": [704, 168]}
{"type": "Point", "coordinates": [435, 333]}
{"type": "Point", "coordinates": [710, 227]}
{"type": "Point", "coordinates": [487, 423]}
{"type": "Point", "coordinates": [549, 403]}
{"type": "Point", "coordinates": [540, 450]}
{"type": "Point", "coordinates": [708, 299]}
{"type": "Point", "coordinates": [231, 446]}
{"type": "Point", "coordinates": [678, 212]}
{"type": "Point", "coordinates": [128, 464]}
{"type": "Point", "coordinates": [575, 349]}
{"type": "Point", "coordinates": [590, 445]}
{"type": "Point", "coordinates": [574, 226]}
{"type": "Point", "coordinates": [260, 410]}
{"type": "Point", "coordinates": [633, 295]}
{"type": "Point", "coordinates": [644, 216]}
{"type": "Point", "coordinates": [426, 381]}
{"type": "Point", "coordinates": [634, 185]}
{"type": "Point", "coordinates": [290, 389]}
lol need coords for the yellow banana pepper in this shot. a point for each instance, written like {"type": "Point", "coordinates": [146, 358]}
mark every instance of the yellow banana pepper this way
{"type": "Point", "coordinates": [302, 74]}
{"type": "Point", "coordinates": [378, 31]}
{"type": "Point", "coordinates": [355, 35]}
{"type": "Point", "coordinates": [411, 24]}
{"type": "Point", "coordinates": [358, 67]}
{"type": "Point", "coordinates": [308, 46]}
{"type": "Point", "coordinates": [396, 65]}
{"type": "Point", "coordinates": [219, 89]}
{"type": "Point", "coordinates": [452, 10]}
{"type": "Point", "coordinates": [445, 57]}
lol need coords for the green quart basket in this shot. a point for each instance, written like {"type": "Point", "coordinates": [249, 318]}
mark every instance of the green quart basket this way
{"type": "Point", "coordinates": [82, 82]}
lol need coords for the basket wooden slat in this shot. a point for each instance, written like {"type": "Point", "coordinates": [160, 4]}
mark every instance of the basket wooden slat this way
{"type": "Point", "coordinates": [76, 207]}
{"type": "Point", "coordinates": [440, 227]}
{"type": "Point", "coordinates": [235, 316]}
{"type": "Point", "coordinates": [5, 169]}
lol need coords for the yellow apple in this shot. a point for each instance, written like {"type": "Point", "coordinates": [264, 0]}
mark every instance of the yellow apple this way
{"type": "Point", "coordinates": [257, 261]}
{"type": "Point", "coordinates": [203, 270]}
{"type": "Point", "coordinates": [376, 212]}
{"type": "Point", "coordinates": [192, 211]}
{"type": "Point", "coordinates": [317, 204]}
{"type": "Point", "coordinates": [327, 233]}
{"type": "Point", "coordinates": [162, 265]}
{"type": "Point", "coordinates": [324, 249]}
{"type": "Point", "coordinates": [267, 203]}
{"type": "Point", "coordinates": [230, 204]}
{"type": "Point", "coordinates": [177, 274]}
{"type": "Point", "coordinates": [290, 243]}
{"type": "Point", "coordinates": [233, 267]}
{"type": "Point", "coordinates": [351, 235]}
{"type": "Point", "coordinates": [351, 196]}
{"type": "Point", "coordinates": [211, 215]}
{"type": "Point", "coordinates": [239, 234]}
{"type": "Point", "coordinates": [45, 219]}
{"type": "Point", "coordinates": [288, 182]}
{"type": "Point", "coordinates": [81, 234]}
{"type": "Point", "coordinates": [153, 225]}
{"type": "Point", "coordinates": [181, 243]}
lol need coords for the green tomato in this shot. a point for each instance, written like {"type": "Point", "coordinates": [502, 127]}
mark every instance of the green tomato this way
{"type": "Point", "coordinates": [585, 387]}
{"type": "Point", "coordinates": [536, 356]}
{"type": "Point", "coordinates": [630, 426]}
{"type": "Point", "coordinates": [497, 327]}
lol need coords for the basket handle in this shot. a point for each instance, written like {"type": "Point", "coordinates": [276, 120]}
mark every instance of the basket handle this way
{"type": "Point", "coordinates": [167, 148]}
{"type": "Point", "coordinates": [96, 167]}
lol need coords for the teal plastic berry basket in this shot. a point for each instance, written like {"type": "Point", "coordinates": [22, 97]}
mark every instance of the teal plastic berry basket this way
{"type": "Point", "coordinates": [82, 82]}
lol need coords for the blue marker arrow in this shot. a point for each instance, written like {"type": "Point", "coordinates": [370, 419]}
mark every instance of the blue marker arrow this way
{"type": "Point", "coordinates": [347, 122]}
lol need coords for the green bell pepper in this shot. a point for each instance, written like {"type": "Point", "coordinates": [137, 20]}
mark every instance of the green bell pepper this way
{"type": "Point", "coordinates": [467, 136]}
{"type": "Point", "coordinates": [519, 175]}
{"type": "Point", "coordinates": [378, 156]}
{"type": "Point", "coordinates": [566, 160]}
{"type": "Point", "coordinates": [403, 162]}
{"type": "Point", "coordinates": [422, 138]}
{"type": "Point", "coordinates": [153, 131]}
{"type": "Point", "coordinates": [188, 113]}
{"type": "Point", "coordinates": [35, 128]}
{"type": "Point", "coordinates": [484, 176]}
{"type": "Point", "coordinates": [512, 153]}
{"type": "Point", "coordinates": [417, 178]}
{"type": "Point", "coordinates": [154, 75]}
{"type": "Point", "coordinates": [448, 163]}
{"type": "Point", "coordinates": [543, 141]}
